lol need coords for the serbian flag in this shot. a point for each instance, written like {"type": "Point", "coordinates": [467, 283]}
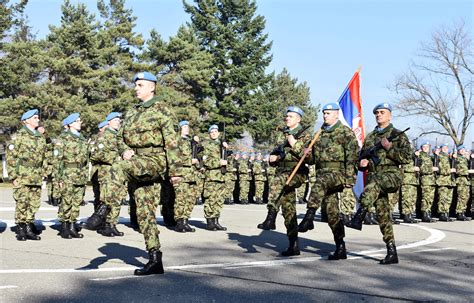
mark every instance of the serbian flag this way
{"type": "Point", "coordinates": [351, 109]}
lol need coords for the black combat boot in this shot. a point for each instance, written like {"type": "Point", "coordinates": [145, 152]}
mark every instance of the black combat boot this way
{"type": "Point", "coordinates": [64, 232]}
{"type": "Point", "coordinates": [357, 219]}
{"type": "Point", "coordinates": [154, 265]}
{"type": "Point", "coordinates": [73, 231]}
{"type": "Point", "coordinates": [20, 232]}
{"type": "Point", "coordinates": [346, 219]}
{"type": "Point", "coordinates": [340, 252]}
{"type": "Point", "coordinates": [391, 257]}
{"type": "Point", "coordinates": [462, 217]}
{"type": "Point", "coordinates": [307, 223]}
{"type": "Point", "coordinates": [211, 224]}
{"type": "Point", "coordinates": [110, 230]}
{"type": "Point", "coordinates": [258, 201]}
{"type": "Point", "coordinates": [324, 216]}
{"type": "Point", "coordinates": [231, 201]}
{"type": "Point", "coordinates": [218, 225]}
{"type": "Point", "coordinates": [199, 201]}
{"type": "Point", "coordinates": [370, 219]}
{"type": "Point", "coordinates": [293, 248]}
{"type": "Point", "coordinates": [30, 235]}
{"type": "Point", "coordinates": [427, 217]}
{"type": "Point", "coordinates": [188, 227]}
{"type": "Point", "coordinates": [54, 201]}
{"type": "Point", "coordinates": [244, 201]}
{"type": "Point", "coordinates": [35, 230]}
{"type": "Point", "coordinates": [269, 223]}
{"type": "Point", "coordinates": [180, 226]}
{"type": "Point", "coordinates": [409, 219]}
{"type": "Point", "coordinates": [226, 201]}
{"type": "Point", "coordinates": [445, 218]}
{"type": "Point", "coordinates": [97, 219]}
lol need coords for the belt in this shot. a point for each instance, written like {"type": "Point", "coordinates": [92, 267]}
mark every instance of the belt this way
{"type": "Point", "coordinates": [334, 165]}
{"type": "Point", "coordinates": [74, 165]}
{"type": "Point", "coordinates": [31, 164]}
{"type": "Point", "coordinates": [149, 150]}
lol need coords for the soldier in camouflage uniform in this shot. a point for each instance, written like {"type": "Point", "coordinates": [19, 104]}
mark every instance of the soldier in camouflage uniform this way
{"type": "Point", "coordinates": [462, 182]}
{"type": "Point", "coordinates": [186, 190]}
{"type": "Point", "coordinates": [409, 190]}
{"type": "Point", "coordinates": [231, 177]}
{"type": "Point", "coordinates": [149, 156]}
{"type": "Point", "coordinates": [26, 161]}
{"type": "Point", "coordinates": [335, 155]}
{"type": "Point", "coordinates": [384, 178]}
{"type": "Point", "coordinates": [259, 173]}
{"type": "Point", "coordinates": [427, 182]}
{"type": "Point", "coordinates": [71, 151]}
{"type": "Point", "coordinates": [214, 184]}
{"type": "Point", "coordinates": [105, 152]}
{"type": "Point", "coordinates": [471, 177]}
{"type": "Point", "coordinates": [445, 184]}
{"type": "Point", "coordinates": [95, 164]}
{"type": "Point", "coordinates": [285, 157]}
{"type": "Point", "coordinates": [245, 177]}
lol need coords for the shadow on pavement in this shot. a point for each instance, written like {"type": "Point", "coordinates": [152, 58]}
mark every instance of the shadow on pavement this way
{"type": "Point", "coordinates": [126, 254]}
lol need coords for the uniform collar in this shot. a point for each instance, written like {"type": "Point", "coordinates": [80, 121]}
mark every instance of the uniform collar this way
{"type": "Point", "coordinates": [150, 102]}
{"type": "Point", "coordinates": [111, 130]}
{"type": "Point", "coordinates": [380, 131]}
{"type": "Point", "coordinates": [76, 135]}
{"type": "Point", "coordinates": [32, 132]}
{"type": "Point", "coordinates": [295, 130]}
{"type": "Point", "coordinates": [331, 128]}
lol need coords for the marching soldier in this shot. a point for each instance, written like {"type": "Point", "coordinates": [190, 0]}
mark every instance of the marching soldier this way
{"type": "Point", "coordinates": [72, 153]}
{"type": "Point", "coordinates": [96, 165]}
{"type": "Point", "coordinates": [231, 177]}
{"type": "Point", "coordinates": [245, 177]}
{"type": "Point", "coordinates": [150, 144]}
{"type": "Point", "coordinates": [186, 190]}
{"type": "Point", "coordinates": [26, 162]}
{"type": "Point", "coordinates": [285, 157]}
{"type": "Point", "coordinates": [409, 190]}
{"type": "Point", "coordinates": [427, 182]}
{"type": "Point", "coordinates": [384, 175]}
{"type": "Point", "coordinates": [335, 158]}
{"type": "Point", "coordinates": [445, 184]}
{"type": "Point", "coordinates": [214, 184]}
{"type": "Point", "coordinates": [259, 174]}
{"type": "Point", "coordinates": [462, 182]}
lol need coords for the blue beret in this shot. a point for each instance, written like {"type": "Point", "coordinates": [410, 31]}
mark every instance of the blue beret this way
{"type": "Point", "coordinates": [382, 106]}
{"type": "Point", "coordinates": [460, 146]}
{"type": "Point", "coordinates": [102, 124]}
{"type": "Point", "coordinates": [295, 109]}
{"type": "Point", "coordinates": [214, 126]}
{"type": "Point", "coordinates": [245, 154]}
{"type": "Point", "coordinates": [445, 144]}
{"type": "Point", "coordinates": [183, 123]}
{"type": "Point", "coordinates": [425, 143]}
{"type": "Point", "coordinates": [331, 106]}
{"type": "Point", "coordinates": [71, 118]}
{"type": "Point", "coordinates": [29, 114]}
{"type": "Point", "coordinates": [145, 76]}
{"type": "Point", "coordinates": [113, 115]}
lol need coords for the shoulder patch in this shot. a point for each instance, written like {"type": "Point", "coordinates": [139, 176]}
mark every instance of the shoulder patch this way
{"type": "Point", "coordinates": [56, 152]}
{"type": "Point", "coordinates": [11, 147]}
{"type": "Point", "coordinates": [101, 146]}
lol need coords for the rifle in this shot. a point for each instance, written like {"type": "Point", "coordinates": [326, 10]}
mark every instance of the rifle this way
{"type": "Point", "coordinates": [436, 162]}
{"type": "Point", "coordinates": [453, 164]}
{"type": "Point", "coordinates": [417, 163]}
{"type": "Point", "coordinates": [280, 149]}
{"type": "Point", "coordinates": [223, 151]}
{"type": "Point", "coordinates": [195, 150]}
{"type": "Point", "coordinates": [471, 162]}
{"type": "Point", "coordinates": [371, 153]}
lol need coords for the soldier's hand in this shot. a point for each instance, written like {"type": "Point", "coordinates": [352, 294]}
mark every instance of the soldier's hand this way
{"type": "Point", "coordinates": [225, 144]}
{"type": "Point", "coordinates": [364, 163]}
{"type": "Point", "coordinates": [194, 161]}
{"type": "Point", "coordinates": [223, 162]}
{"type": "Point", "coordinates": [307, 151]}
{"type": "Point", "coordinates": [196, 138]}
{"type": "Point", "coordinates": [455, 155]}
{"type": "Point", "coordinates": [435, 168]}
{"type": "Point", "coordinates": [386, 144]}
{"type": "Point", "coordinates": [15, 182]}
{"type": "Point", "coordinates": [128, 154]}
{"type": "Point", "coordinates": [291, 140]}
{"type": "Point", "coordinates": [175, 180]}
{"type": "Point", "coordinates": [416, 168]}
{"type": "Point", "coordinates": [273, 158]}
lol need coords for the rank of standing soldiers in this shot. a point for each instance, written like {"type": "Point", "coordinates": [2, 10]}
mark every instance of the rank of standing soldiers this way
{"type": "Point", "coordinates": [142, 155]}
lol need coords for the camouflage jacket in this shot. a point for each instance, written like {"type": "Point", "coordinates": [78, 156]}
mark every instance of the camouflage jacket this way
{"type": "Point", "coordinates": [291, 155]}
{"type": "Point", "coordinates": [400, 152]}
{"type": "Point", "coordinates": [426, 169]}
{"type": "Point", "coordinates": [105, 151]}
{"type": "Point", "coordinates": [444, 173]}
{"type": "Point", "coordinates": [72, 154]}
{"type": "Point", "coordinates": [26, 157]}
{"type": "Point", "coordinates": [211, 160]}
{"type": "Point", "coordinates": [462, 167]}
{"type": "Point", "coordinates": [259, 170]}
{"type": "Point", "coordinates": [148, 129]}
{"type": "Point", "coordinates": [186, 169]}
{"type": "Point", "coordinates": [410, 176]}
{"type": "Point", "coordinates": [245, 169]}
{"type": "Point", "coordinates": [336, 151]}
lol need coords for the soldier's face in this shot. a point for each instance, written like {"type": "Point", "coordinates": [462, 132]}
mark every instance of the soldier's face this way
{"type": "Point", "coordinates": [115, 123]}
{"type": "Point", "coordinates": [184, 130]}
{"type": "Point", "coordinates": [445, 149]}
{"type": "Point", "coordinates": [383, 116]}
{"type": "Point", "coordinates": [33, 121]}
{"type": "Point", "coordinates": [76, 125]}
{"type": "Point", "coordinates": [425, 148]}
{"type": "Point", "coordinates": [330, 116]}
{"type": "Point", "coordinates": [144, 90]}
{"type": "Point", "coordinates": [292, 120]}
{"type": "Point", "coordinates": [214, 134]}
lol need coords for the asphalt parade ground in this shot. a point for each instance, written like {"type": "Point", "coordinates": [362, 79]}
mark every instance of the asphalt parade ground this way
{"type": "Point", "coordinates": [241, 264]}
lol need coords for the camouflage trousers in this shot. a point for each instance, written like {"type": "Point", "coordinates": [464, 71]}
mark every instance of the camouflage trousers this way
{"type": "Point", "coordinates": [144, 172]}
{"type": "Point", "coordinates": [27, 200]}
{"type": "Point", "coordinates": [376, 192]}
{"type": "Point", "coordinates": [409, 193]}
{"type": "Point", "coordinates": [244, 189]}
{"type": "Point", "coordinates": [259, 187]}
{"type": "Point", "coordinates": [463, 198]}
{"type": "Point", "coordinates": [427, 197]}
{"type": "Point", "coordinates": [286, 200]}
{"type": "Point", "coordinates": [52, 185]}
{"type": "Point", "coordinates": [445, 196]}
{"type": "Point", "coordinates": [72, 197]}
{"type": "Point", "coordinates": [114, 213]}
{"type": "Point", "coordinates": [184, 200]}
{"type": "Point", "coordinates": [213, 198]}
{"type": "Point", "coordinates": [347, 201]}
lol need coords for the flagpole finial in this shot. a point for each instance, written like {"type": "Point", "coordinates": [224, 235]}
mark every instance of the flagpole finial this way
{"type": "Point", "coordinates": [359, 68]}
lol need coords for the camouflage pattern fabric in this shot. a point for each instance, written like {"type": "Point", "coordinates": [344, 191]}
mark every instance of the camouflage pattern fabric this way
{"type": "Point", "coordinates": [230, 178]}
{"type": "Point", "coordinates": [259, 173]}
{"type": "Point", "coordinates": [26, 162]}
{"type": "Point", "coordinates": [214, 184]}
{"type": "Point", "coordinates": [72, 154]}
{"type": "Point", "coordinates": [427, 182]}
{"type": "Point", "coordinates": [347, 201]}
{"type": "Point", "coordinates": [245, 171]}
{"type": "Point", "coordinates": [385, 178]}
{"type": "Point", "coordinates": [444, 183]}
{"type": "Point", "coordinates": [409, 188]}
{"type": "Point", "coordinates": [462, 183]}
{"type": "Point", "coordinates": [148, 129]}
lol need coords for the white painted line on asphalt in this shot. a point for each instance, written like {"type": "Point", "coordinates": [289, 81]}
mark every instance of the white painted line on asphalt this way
{"type": "Point", "coordinates": [114, 278]}
{"type": "Point", "coordinates": [8, 286]}
{"type": "Point", "coordinates": [434, 249]}
{"type": "Point", "coordinates": [7, 209]}
{"type": "Point", "coordinates": [435, 236]}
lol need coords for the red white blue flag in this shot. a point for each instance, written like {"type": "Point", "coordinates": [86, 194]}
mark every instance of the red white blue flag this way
{"type": "Point", "coordinates": [351, 109]}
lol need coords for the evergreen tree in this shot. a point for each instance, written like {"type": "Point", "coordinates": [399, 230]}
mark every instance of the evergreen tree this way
{"type": "Point", "coordinates": [233, 34]}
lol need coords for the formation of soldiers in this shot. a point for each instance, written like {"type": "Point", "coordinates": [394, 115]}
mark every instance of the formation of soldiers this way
{"type": "Point", "coordinates": [143, 156]}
